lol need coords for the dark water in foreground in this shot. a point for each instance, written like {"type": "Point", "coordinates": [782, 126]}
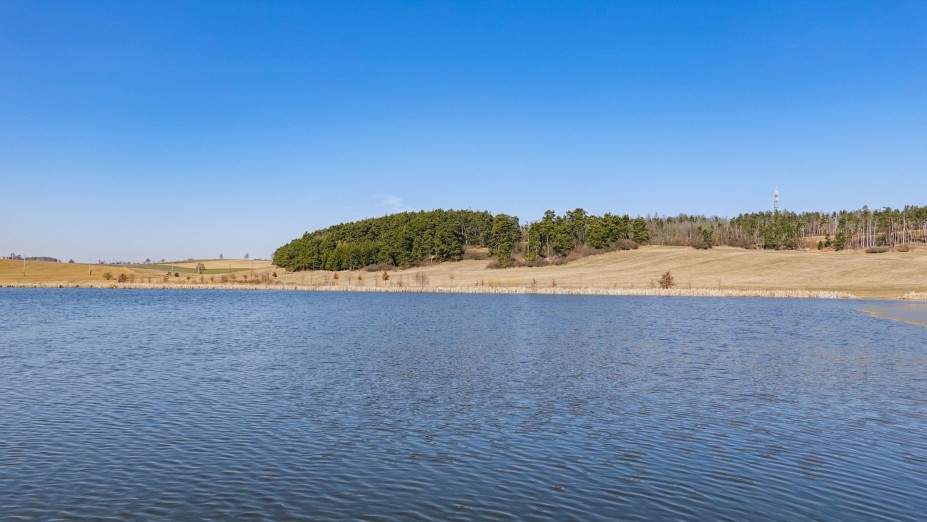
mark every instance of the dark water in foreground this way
{"type": "Point", "coordinates": [197, 405]}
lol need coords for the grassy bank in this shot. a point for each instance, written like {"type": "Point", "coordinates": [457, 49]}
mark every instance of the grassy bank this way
{"type": "Point", "coordinates": [678, 292]}
{"type": "Point", "coordinates": [715, 272]}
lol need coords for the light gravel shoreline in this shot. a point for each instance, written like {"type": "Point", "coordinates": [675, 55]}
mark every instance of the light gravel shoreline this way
{"type": "Point", "coordinates": [673, 292]}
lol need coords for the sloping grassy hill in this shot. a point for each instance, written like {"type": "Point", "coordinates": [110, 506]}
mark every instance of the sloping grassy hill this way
{"type": "Point", "coordinates": [887, 275]}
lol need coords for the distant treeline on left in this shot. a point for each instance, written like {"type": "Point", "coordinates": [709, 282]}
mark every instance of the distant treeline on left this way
{"type": "Point", "coordinates": [36, 258]}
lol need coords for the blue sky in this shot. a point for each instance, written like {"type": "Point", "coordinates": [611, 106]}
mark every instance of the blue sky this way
{"type": "Point", "coordinates": [189, 129]}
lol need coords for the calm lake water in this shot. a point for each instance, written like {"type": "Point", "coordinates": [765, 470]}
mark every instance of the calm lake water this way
{"type": "Point", "coordinates": [202, 405]}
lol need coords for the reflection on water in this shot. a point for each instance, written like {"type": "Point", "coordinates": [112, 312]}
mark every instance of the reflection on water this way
{"type": "Point", "coordinates": [195, 405]}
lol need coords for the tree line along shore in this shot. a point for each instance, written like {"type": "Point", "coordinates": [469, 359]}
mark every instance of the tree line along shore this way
{"type": "Point", "coordinates": [408, 239]}
{"type": "Point", "coordinates": [768, 253]}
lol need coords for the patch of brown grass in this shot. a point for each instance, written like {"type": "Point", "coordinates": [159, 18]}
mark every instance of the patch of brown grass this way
{"type": "Point", "coordinates": [11, 270]}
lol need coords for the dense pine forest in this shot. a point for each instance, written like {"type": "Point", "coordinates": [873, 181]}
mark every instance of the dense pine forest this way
{"type": "Point", "coordinates": [411, 238]}
{"type": "Point", "coordinates": [402, 239]}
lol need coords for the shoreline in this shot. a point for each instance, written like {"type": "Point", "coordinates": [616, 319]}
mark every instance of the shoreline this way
{"type": "Point", "coordinates": [723, 272]}
{"type": "Point", "coordinates": [519, 290]}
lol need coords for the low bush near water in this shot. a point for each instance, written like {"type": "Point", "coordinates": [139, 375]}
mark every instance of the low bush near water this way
{"type": "Point", "coordinates": [667, 281]}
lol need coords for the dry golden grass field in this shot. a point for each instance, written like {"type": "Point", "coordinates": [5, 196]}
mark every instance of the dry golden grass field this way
{"type": "Point", "coordinates": [889, 275]}
{"type": "Point", "coordinates": [233, 264]}
{"type": "Point", "coordinates": [11, 271]}
{"type": "Point", "coordinates": [36, 272]}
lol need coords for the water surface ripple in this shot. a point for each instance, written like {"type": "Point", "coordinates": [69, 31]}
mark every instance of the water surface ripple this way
{"type": "Point", "coordinates": [218, 405]}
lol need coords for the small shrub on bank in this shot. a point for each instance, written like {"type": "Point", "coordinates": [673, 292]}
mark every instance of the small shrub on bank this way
{"type": "Point", "coordinates": [573, 256]}
{"type": "Point", "coordinates": [540, 261]}
{"type": "Point", "coordinates": [625, 244]}
{"type": "Point", "coordinates": [580, 253]}
{"type": "Point", "coordinates": [501, 263]}
{"type": "Point", "coordinates": [478, 254]}
{"type": "Point", "coordinates": [381, 267]}
{"type": "Point", "coordinates": [742, 243]}
{"type": "Point", "coordinates": [903, 248]}
{"type": "Point", "coordinates": [107, 275]}
{"type": "Point", "coordinates": [384, 276]}
{"type": "Point", "coordinates": [122, 278]}
{"type": "Point", "coordinates": [877, 250]}
{"type": "Point", "coordinates": [667, 280]}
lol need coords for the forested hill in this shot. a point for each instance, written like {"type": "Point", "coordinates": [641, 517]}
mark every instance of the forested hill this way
{"type": "Point", "coordinates": [399, 239]}
{"type": "Point", "coordinates": [410, 238]}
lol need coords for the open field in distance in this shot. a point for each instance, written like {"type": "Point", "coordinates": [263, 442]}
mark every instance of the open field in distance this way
{"type": "Point", "coordinates": [227, 264]}
{"type": "Point", "coordinates": [212, 266]}
{"type": "Point", "coordinates": [11, 270]}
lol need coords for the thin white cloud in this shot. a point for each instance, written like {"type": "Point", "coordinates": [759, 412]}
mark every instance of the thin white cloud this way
{"type": "Point", "coordinates": [393, 203]}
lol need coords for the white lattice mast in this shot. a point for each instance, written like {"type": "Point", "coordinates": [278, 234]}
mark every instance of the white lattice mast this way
{"type": "Point", "coordinates": [776, 199]}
